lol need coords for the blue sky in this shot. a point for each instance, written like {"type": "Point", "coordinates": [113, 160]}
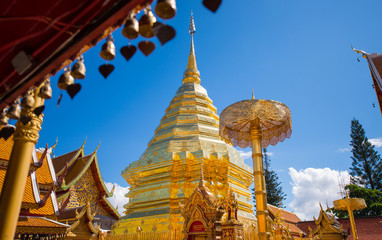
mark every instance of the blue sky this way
{"type": "Point", "coordinates": [295, 52]}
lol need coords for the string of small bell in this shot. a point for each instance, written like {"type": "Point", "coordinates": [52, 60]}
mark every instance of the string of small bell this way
{"type": "Point", "coordinates": [147, 27]}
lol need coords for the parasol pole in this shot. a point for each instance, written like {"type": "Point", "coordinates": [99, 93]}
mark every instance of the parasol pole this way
{"type": "Point", "coordinates": [352, 222]}
{"type": "Point", "coordinates": [258, 172]}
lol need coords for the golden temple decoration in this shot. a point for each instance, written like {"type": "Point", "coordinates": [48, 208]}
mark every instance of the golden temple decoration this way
{"type": "Point", "coordinates": [25, 138]}
{"type": "Point", "coordinates": [192, 73]}
{"type": "Point", "coordinates": [327, 227]}
{"type": "Point", "coordinates": [257, 123]}
{"type": "Point", "coordinates": [275, 122]}
{"type": "Point", "coordinates": [350, 204]}
{"type": "Point", "coordinates": [168, 172]}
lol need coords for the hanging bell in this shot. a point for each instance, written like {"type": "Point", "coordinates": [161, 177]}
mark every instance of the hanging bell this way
{"type": "Point", "coordinates": [78, 69]}
{"type": "Point", "coordinates": [46, 90]}
{"type": "Point", "coordinates": [3, 118]}
{"type": "Point", "coordinates": [146, 23]}
{"type": "Point", "coordinates": [108, 49]}
{"type": "Point", "coordinates": [14, 111]}
{"type": "Point", "coordinates": [28, 100]}
{"type": "Point", "coordinates": [65, 80]}
{"type": "Point", "coordinates": [131, 28]}
{"type": "Point", "coordinates": [165, 9]}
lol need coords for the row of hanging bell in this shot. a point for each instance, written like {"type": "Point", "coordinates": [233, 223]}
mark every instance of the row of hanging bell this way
{"type": "Point", "coordinates": [133, 28]}
{"type": "Point", "coordinates": [165, 9]}
{"type": "Point", "coordinates": [108, 49]}
{"type": "Point", "coordinates": [146, 23]}
{"type": "Point", "coordinates": [65, 79]}
{"type": "Point", "coordinates": [46, 90]}
{"type": "Point", "coordinates": [14, 111]}
{"type": "Point", "coordinates": [28, 100]}
{"type": "Point", "coordinates": [107, 53]}
{"type": "Point", "coordinates": [78, 69]}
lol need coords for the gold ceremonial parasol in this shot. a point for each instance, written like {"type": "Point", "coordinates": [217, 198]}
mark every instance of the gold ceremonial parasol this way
{"type": "Point", "coordinates": [256, 123]}
{"type": "Point", "coordinates": [350, 204]}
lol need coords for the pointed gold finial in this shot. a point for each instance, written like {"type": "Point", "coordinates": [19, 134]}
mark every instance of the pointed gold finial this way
{"type": "Point", "coordinates": [84, 142]}
{"type": "Point", "coordinates": [54, 146]}
{"type": "Point", "coordinates": [95, 151]}
{"type": "Point", "coordinates": [253, 95]}
{"type": "Point", "coordinates": [364, 54]}
{"type": "Point", "coordinates": [191, 74]}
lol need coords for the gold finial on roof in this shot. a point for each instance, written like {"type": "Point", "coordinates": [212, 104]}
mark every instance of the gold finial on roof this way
{"type": "Point", "coordinates": [359, 51]}
{"type": "Point", "coordinates": [84, 142]}
{"type": "Point", "coordinates": [54, 146]}
{"type": "Point", "coordinates": [97, 146]}
{"type": "Point", "coordinates": [191, 74]}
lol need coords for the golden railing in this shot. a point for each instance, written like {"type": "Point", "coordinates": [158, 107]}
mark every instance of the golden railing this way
{"type": "Point", "coordinates": [163, 235]}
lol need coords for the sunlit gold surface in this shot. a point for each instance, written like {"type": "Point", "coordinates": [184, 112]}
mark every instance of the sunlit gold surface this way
{"type": "Point", "coordinates": [168, 171]}
{"type": "Point", "coordinates": [257, 123]}
{"type": "Point", "coordinates": [275, 122]}
{"type": "Point", "coordinates": [25, 138]}
{"type": "Point", "coordinates": [350, 204]}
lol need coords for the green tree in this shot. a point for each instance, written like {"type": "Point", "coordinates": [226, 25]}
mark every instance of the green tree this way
{"type": "Point", "coordinates": [275, 194]}
{"type": "Point", "coordinates": [373, 199]}
{"type": "Point", "coordinates": [367, 165]}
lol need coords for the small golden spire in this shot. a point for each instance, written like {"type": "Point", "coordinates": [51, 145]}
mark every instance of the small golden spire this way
{"type": "Point", "coordinates": [253, 95]}
{"type": "Point", "coordinates": [191, 74]}
{"type": "Point", "coordinates": [95, 151]}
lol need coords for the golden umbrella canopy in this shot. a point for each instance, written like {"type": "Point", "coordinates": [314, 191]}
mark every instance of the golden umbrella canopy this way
{"type": "Point", "coordinates": [274, 119]}
{"type": "Point", "coordinates": [257, 123]}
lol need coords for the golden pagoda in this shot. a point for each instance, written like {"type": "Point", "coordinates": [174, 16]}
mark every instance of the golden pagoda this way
{"type": "Point", "coordinates": [169, 171]}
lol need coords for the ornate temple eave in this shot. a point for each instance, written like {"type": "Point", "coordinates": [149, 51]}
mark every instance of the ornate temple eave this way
{"type": "Point", "coordinates": [79, 167]}
{"type": "Point", "coordinates": [59, 162]}
{"type": "Point", "coordinates": [106, 204]}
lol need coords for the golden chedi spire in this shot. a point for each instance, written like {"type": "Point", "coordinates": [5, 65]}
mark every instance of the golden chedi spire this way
{"type": "Point", "coordinates": [186, 150]}
{"type": "Point", "coordinates": [191, 74]}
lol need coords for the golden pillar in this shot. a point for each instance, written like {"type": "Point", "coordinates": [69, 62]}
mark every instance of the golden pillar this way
{"type": "Point", "coordinates": [25, 138]}
{"type": "Point", "coordinates": [352, 222]}
{"type": "Point", "coordinates": [258, 172]}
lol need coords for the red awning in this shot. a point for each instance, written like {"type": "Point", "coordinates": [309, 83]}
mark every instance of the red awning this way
{"type": "Point", "coordinates": [375, 65]}
{"type": "Point", "coordinates": [39, 36]}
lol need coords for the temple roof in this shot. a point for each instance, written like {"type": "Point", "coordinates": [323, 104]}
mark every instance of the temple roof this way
{"type": "Point", "coordinates": [39, 225]}
{"type": "Point", "coordinates": [289, 220]}
{"type": "Point", "coordinates": [284, 214]}
{"type": "Point", "coordinates": [59, 162]}
{"type": "Point", "coordinates": [39, 176]}
{"type": "Point", "coordinates": [79, 166]}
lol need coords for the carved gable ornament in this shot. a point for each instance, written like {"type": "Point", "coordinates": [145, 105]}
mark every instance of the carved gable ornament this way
{"type": "Point", "coordinates": [327, 227]}
{"type": "Point", "coordinates": [202, 214]}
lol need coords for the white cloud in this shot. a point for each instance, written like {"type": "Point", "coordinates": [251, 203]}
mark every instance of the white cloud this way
{"type": "Point", "coordinates": [248, 155]}
{"type": "Point", "coordinates": [312, 186]}
{"type": "Point", "coordinates": [245, 155]}
{"type": "Point", "coordinates": [118, 199]}
{"type": "Point", "coordinates": [377, 142]}
{"type": "Point", "coordinates": [344, 150]}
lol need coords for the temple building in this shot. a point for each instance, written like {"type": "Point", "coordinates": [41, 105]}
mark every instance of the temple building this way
{"type": "Point", "coordinates": [82, 190]}
{"type": "Point", "coordinates": [64, 196]}
{"type": "Point", "coordinates": [169, 171]}
{"type": "Point", "coordinates": [39, 208]}
{"type": "Point", "coordinates": [285, 222]}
